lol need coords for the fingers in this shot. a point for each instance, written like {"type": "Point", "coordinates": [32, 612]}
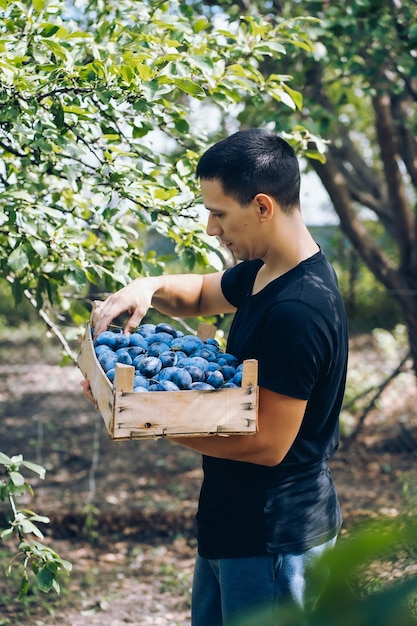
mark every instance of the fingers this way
{"type": "Point", "coordinates": [133, 322]}
{"type": "Point", "coordinates": [99, 318]}
{"type": "Point", "coordinates": [102, 315]}
{"type": "Point", "coordinates": [105, 312]}
{"type": "Point", "coordinates": [134, 299]}
{"type": "Point", "coordinates": [85, 384]}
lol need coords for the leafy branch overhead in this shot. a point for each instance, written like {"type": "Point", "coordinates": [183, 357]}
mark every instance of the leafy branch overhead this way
{"type": "Point", "coordinates": [104, 109]}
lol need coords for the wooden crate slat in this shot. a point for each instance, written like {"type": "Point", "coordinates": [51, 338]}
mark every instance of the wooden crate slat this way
{"type": "Point", "coordinates": [101, 387]}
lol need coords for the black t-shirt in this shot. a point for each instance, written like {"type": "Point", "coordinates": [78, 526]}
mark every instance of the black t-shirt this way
{"type": "Point", "coordinates": [296, 327]}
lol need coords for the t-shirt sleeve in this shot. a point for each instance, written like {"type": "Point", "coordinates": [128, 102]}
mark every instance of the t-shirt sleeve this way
{"type": "Point", "coordinates": [238, 280]}
{"type": "Point", "coordinates": [292, 350]}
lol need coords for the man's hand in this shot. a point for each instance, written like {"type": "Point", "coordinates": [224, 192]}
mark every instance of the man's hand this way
{"type": "Point", "coordinates": [134, 299]}
{"type": "Point", "coordinates": [85, 384]}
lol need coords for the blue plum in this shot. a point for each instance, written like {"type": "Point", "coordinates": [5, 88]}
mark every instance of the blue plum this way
{"type": "Point", "coordinates": [213, 366]}
{"type": "Point", "coordinates": [136, 339]}
{"type": "Point", "coordinates": [140, 389]}
{"type": "Point", "coordinates": [237, 378]}
{"type": "Point", "coordinates": [228, 371]}
{"type": "Point", "coordinates": [196, 361]}
{"type": "Point", "coordinates": [164, 385]}
{"type": "Point", "coordinates": [135, 351]}
{"type": "Point", "coordinates": [227, 359]}
{"type": "Point", "coordinates": [197, 374]}
{"type": "Point", "coordinates": [163, 337]}
{"type": "Point", "coordinates": [182, 378]}
{"type": "Point", "coordinates": [202, 386]}
{"type": "Point", "coordinates": [111, 373]}
{"type": "Point", "coordinates": [123, 356]}
{"type": "Point", "coordinates": [121, 341]}
{"type": "Point", "coordinates": [140, 381]}
{"type": "Point", "coordinates": [107, 337]}
{"type": "Point", "coordinates": [150, 366]}
{"type": "Point", "coordinates": [168, 358]}
{"type": "Point", "coordinates": [107, 361]}
{"type": "Point", "coordinates": [138, 359]}
{"type": "Point", "coordinates": [188, 344]}
{"type": "Point", "coordinates": [163, 327]}
{"type": "Point", "coordinates": [167, 373]}
{"type": "Point", "coordinates": [208, 355]}
{"type": "Point", "coordinates": [216, 379]}
{"type": "Point", "coordinates": [103, 347]}
{"type": "Point", "coordinates": [157, 347]}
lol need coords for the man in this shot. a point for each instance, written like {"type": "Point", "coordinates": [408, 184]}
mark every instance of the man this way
{"type": "Point", "coordinates": [268, 506]}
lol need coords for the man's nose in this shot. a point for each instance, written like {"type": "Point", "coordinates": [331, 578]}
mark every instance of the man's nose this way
{"type": "Point", "coordinates": [213, 227]}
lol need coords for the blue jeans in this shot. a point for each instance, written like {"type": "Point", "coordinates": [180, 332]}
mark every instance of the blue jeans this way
{"type": "Point", "coordinates": [226, 589]}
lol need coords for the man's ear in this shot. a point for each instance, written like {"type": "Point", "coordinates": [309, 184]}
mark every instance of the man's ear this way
{"type": "Point", "coordinates": [265, 205]}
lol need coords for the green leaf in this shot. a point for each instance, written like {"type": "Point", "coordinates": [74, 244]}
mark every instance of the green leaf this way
{"type": "Point", "coordinates": [6, 534]}
{"type": "Point", "coordinates": [40, 247]}
{"type": "Point", "coordinates": [190, 87]}
{"type": "Point", "coordinates": [58, 114]}
{"type": "Point", "coordinates": [77, 278]}
{"type": "Point", "coordinates": [24, 586]}
{"type": "Point", "coordinates": [17, 479]}
{"type": "Point", "coordinates": [271, 48]}
{"type": "Point", "coordinates": [186, 10]}
{"type": "Point", "coordinates": [200, 24]}
{"type": "Point", "coordinates": [58, 50]}
{"type": "Point", "coordinates": [4, 459]}
{"type": "Point", "coordinates": [45, 579]}
{"type": "Point", "coordinates": [38, 5]}
{"type": "Point", "coordinates": [18, 259]}
{"type": "Point", "coordinates": [17, 459]}
{"type": "Point", "coordinates": [65, 565]}
{"type": "Point", "coordinates": [27, 527]}
{"type": "Point", "coordinates": [48, 29]}
{"type": "Point", "coordinates": [38, 469]}
{"type": "Point", "coordinates": [296, 96]}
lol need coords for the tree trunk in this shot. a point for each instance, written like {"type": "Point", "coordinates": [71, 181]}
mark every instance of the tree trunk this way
{"type": "Point", "coordinates": [401, 285]}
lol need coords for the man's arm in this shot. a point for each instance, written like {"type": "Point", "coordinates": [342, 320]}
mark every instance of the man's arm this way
{"type": "Point", "coordinates": [279, 420]}
{"type": "Point", "coordinates": [179, 295]}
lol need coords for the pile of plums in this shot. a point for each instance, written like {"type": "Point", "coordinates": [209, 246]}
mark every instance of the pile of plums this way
{"type": "Point", "coordinates": [165, 359]}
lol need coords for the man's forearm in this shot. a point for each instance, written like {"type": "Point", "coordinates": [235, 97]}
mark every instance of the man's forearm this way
{"type": "Point", "coordinates": [173, 295]}
{"type": "Point", "coordinates": [247, 448]}
{"type": "Point", "coordinates": [178, 295]}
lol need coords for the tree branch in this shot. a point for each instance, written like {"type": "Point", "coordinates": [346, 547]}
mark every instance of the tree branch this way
{"type": "Point", "coordinates": [373, 255]}
{"type": "Point", "coordinates": [53, 327]}
{"type": "Point", "coordinates": [374, 398]}
{"type": "Point", "coordinates": [389, 154]}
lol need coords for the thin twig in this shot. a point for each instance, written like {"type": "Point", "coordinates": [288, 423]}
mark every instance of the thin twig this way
{"type": "Point", "coordinates": [14, 511]}
{"type": "Point", "coordinates": [53, 327]}
{"type": "Point", "coordinates": [374, 398]}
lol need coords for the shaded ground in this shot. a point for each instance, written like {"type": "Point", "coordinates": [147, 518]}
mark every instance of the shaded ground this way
{"type": "Point", "coordinates": [123, 512]}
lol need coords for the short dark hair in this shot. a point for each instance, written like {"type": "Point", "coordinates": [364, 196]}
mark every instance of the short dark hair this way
{"type": "Point", "coordinates": [254, 161]}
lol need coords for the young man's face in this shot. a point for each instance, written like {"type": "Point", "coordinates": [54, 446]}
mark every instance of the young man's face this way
{"type": "Point", "coordinates": [235, 225]}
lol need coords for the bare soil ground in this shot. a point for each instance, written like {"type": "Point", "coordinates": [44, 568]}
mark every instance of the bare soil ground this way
{"type": "Point", "coordinates": [123, 512]}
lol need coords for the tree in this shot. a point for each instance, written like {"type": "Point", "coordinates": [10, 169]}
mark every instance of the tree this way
{"type": "Point", "coordinates": [372, 162]}
{"type": "Point", "coordinates": [360, 95]}
{"type": "Point", "coordinates": [99, 138]}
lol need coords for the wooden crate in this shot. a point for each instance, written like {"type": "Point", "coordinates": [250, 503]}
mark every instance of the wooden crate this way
{"type": "Point", "coordinates": [129, 415]}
